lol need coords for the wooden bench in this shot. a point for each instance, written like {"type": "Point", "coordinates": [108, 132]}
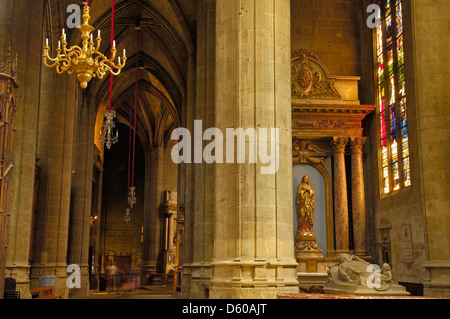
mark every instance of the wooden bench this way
{"type": "Point", "coordinates": [44, 293]}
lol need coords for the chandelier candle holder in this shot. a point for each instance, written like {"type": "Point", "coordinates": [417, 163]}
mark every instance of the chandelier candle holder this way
{"type": "Point", "coordinates": [109, 125]}
{"type": "Point", "coordinates": [87, 62]}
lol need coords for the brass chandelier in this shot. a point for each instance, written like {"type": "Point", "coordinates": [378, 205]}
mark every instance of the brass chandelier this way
{"type": "Point", "coordinates": [87, 62]}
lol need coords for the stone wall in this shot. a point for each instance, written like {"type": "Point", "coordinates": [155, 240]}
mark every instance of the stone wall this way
{"type": "Point", "coordinates": [431, 34]}
{"type": "Point", "coordinates": [329, 29]}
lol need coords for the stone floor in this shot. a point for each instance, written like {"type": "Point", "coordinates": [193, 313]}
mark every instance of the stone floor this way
{"type": "Point", "coordinates": [146, 292]}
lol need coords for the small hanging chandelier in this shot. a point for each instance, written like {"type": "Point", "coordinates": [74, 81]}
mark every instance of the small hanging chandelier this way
{"type": "Point", "coordinates": [132, 196]}
{"type": "Point", "coordinates": [127, 217]}
{"type": "Point", "coordinates": [87, 62]}
{"type": "Point", "coordinates": [106, 136]}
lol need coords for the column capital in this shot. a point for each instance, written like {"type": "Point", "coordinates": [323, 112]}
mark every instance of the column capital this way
{"type": "Point", "coordinates": [338, 144]}
{"type": "Point", "coordinates": [357, 144]}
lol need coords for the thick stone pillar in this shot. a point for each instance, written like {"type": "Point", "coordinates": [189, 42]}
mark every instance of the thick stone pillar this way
{"type": "Point", "coordinates": [430, 49]}
{"type": "Point", "coordinates": [154, 219]}
{"type": "Point", "coordinates": [358, 197]}
{"type": "Point", "coordinates": [186, 188]}
{"type": "Point", "coordinates": [26, 42]}
{"type": "Point", "coordinates": [253, 239]}
{"type": "Point", "coordinates": [203, 213]}
{"type": "Point", "coordinates": [340, 195]}
{"type": "Point", "coordinates": [50, 254]}
{"type": "Point", "coordinates": [55, 150]}
{"type": "Point", "coordinates": [81, 197]}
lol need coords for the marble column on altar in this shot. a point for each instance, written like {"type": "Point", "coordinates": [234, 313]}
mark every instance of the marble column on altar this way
{"type": "Point", "coordinates": [340, 195]}
{"type": "Point", "coordinates": [358, 197]}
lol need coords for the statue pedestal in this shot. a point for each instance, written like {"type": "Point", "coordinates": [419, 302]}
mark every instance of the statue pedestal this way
{"type": "Point", "coordinates": [312, 266]}
{"type": "Point", "coordinates": [306, 247]}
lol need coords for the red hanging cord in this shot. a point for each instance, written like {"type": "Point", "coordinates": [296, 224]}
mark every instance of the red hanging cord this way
{"type": "Point", "coordinates": [111, 80]}
{"type": "Point", "coordinates": [135, 104]}
{"type": "Point", "coordinates": [129, 142]}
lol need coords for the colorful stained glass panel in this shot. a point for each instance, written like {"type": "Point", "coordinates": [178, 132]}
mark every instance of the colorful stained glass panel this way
{"type": "Point", "coordinates": [400, 51]}
{"type": "Point", "coordinates": [392, 101]}
{"type": "Point", "coordinates": [379, 41]}
{"type": "Point", "coordinates": [403, 112]}
{"type": "Point", "coordinates": [399, 18]}
{"type": "Point", "coordinates": [380, 69]}
{"type": "Point", "coordinates": [402, 89]}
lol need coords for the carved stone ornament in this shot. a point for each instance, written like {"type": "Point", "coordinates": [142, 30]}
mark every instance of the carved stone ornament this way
{"type": "Point", "coordinates": [357, 144]}
{"type": "Point", "coordinates": [338, 144]}
{"type": "Point", "coordinates": [307, 246]}
{"type": "Point", "coordinates": [309, 78]}
{"type": "Point", "coordinates": [304, 152]}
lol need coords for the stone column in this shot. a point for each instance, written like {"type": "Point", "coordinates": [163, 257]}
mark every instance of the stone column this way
{"type": "Point", "coordinates": [203, 212]}
{"type": "Point", "coordinates": [81, 197]}
{"type": "Point", "coordinates": [358, 197]}
{"type": "Point", "coordinates": [187, 188]}
{"type": "Point", "coordinates": [430, 36]}
{"type": "Point", "coordinates": [253, 238]}
{"type": "Point", "coordinates": [24, 42]}
{"type": "Point", "coordinates": [55, 138]}
{"type": "Point", "coordinates": [340, 195]}
{"type": "Point", "coordinates": [153, 227]}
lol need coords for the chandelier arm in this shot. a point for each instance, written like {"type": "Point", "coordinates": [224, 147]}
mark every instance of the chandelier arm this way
{"type": "Point", "coordinates": [47, 57]}
{"type": "Point", "coordinates": [62, 67]}
{"type": "Point", "coordinates": [73, 50]}
{"type": "Point", "coordinates": [100, 73]}
{"type": "Point", "coordinates": [100, 68]}
{"type": "Point", "coordinates": [69, 52]}
{"type": "Point", "coordinates": [98, 57]}
{"type": "Point", "coordinates": [97, 48]}
{"type": "Point", "coordinates": [113, 55]}
{"type": "Point", "coordinates": [109, 64]}
{"type": "Point", "coordinates": [50, 65]}
{"type": "Point", "coordinates": [115, 73]}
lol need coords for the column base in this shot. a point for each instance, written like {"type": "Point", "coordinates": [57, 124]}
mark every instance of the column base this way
{"type": "Point", "coordinates": [151, 275]}
{"type": "Point", "coordinates": [169, 265]}
{"type": "Point", "coordinates": [84, 281]}
{"type": "Point", "coordinates": [200, 280]}
{"type": "Point", "coordinates": [256, 279]}
{"type": "Point", "coordinates": [21, 273]}
{"type": "Point", "coordinates": [436, 282]}
{"type": "Point", "coordinates": [186, 282]}
{"type": "Point", "coordinates": [59, 271]}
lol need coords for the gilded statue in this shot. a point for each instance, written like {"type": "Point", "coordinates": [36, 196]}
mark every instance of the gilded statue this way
{"type": "Point", "coordinates": [305, 202]}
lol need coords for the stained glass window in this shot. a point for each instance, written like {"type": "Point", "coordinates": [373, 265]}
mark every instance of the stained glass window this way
{"type": "Point", "coordinates": [392, 102]}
